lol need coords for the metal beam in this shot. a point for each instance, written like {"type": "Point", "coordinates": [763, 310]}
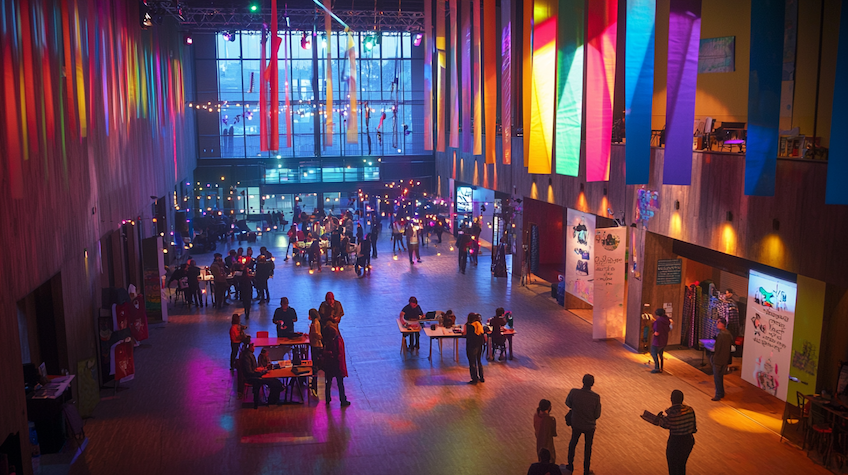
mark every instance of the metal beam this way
{"type": "Point", "coordinates": [238, 18]}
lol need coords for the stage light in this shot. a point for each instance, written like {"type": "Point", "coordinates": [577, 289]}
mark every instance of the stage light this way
{"type": "Point", "coordinates": [228, 35]}
{"type": "Point", "coordinates": [187, 39]}
{"type": "Point", "coordinates": [417, 40]}
{"type": "Point", "coordinates": [254, 7]}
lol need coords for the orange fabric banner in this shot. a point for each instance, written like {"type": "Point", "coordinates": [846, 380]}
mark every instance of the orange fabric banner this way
{"type": "Point", "coordinates": [527, 76]}
{"type": "Point", "coordinates": [454, 101]}
{"type": "Point", "coordinates": [490, 72]}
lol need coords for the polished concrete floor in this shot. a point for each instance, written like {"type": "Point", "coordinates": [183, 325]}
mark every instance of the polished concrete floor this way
{"type": "Point", "coordinates": [409, 415]}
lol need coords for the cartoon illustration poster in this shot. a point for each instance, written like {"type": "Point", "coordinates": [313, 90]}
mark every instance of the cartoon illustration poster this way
{"type": "Point", "coordinates": [767, 354]}
{"type": "Point", "coordinates": [610, 267]}
{"type": "Point", "coordinates": [579, 267]}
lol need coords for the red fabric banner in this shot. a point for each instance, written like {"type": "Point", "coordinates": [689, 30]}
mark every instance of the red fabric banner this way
{"type": "Point", "coordinates": [275, 82]}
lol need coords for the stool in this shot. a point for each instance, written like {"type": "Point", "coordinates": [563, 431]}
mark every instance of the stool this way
{"type": "Point", "coordinates": [499, 346]}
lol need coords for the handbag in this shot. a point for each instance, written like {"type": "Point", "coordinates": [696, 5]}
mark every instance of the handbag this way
{"type": "Point", "coordinates": [568, 418]}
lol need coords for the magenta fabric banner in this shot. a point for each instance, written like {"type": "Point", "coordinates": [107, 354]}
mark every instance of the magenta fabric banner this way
{"type": "Point", "coordinates": [465, 32]}
{"type": "Point", "coordinates": [601, 34]}
{"type": "Point", "coordinates": [506, 80]}
{"type": "Point", "coordinates": [684, 38]}
{"type": "Point", "coordinates": [428, 75]}
{"type": "Point", "coordinates": [454, 85]}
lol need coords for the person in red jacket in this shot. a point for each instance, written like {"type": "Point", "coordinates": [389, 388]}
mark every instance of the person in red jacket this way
{"type": "Point", "coordinates": [334, 364]}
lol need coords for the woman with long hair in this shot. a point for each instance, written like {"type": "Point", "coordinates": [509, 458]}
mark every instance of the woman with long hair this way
{"type": "Point", "coordinates": [334, 364]}
{"type": "Point", "coordinates": [545, 427]}
{"type": "Point", "coordinates": [474, 338]}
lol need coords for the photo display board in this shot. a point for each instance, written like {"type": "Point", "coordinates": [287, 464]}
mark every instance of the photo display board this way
{"type": "Point", "coordinates": [610, 267]}
{"type": "Point", "coordinates": [579, 261]}
{"type": "Point", "coordinates": [767, 352]}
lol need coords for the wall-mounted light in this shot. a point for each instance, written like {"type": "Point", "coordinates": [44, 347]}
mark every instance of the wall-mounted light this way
{"type": "Point", "coordinates": [676, 204]}
{"type": "Point", "coordinates": [729, 216]}
{"type": "Point", "coordinates": [605, 191]}
{"type": "Point", "coordinates": [550, 181]}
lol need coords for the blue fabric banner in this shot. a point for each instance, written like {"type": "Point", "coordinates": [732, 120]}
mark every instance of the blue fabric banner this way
{"type": "Point", "coordinates": [684, 39]}
{"type": "Point", "coordinates": [764, 85]}
{"type": "Point", "coordinates": [639, 88]}
{"type": "Point", "coordinates": [837, 165]}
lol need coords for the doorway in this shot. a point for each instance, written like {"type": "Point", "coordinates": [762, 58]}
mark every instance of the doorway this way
{"type": "Point", "coordinates": [41, 322]}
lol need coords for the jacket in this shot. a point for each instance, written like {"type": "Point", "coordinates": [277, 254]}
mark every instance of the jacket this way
{"type": "Point", "coordinates": [334, 362]}
{"type": "Point", "coordinates": [315, 338]}
{"type": "Point", "coordinates": [661, 325]}
{"type": "Point", "coordinates": [585, 407]}
{"type": "Point", "coordinates": [721, 356]}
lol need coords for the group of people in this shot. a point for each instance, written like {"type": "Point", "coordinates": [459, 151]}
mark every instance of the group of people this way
{"type": "Point", "coordinates": [325, 340]}
{"type": "Point", "coordinates": [340, 241]}
{"type": "Point", "coordinates": [585, 409]}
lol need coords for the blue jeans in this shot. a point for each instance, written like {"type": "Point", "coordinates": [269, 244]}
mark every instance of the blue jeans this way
{"type": "Point", "coordinates": [657, 355]}
{"type": "Point", "coordinates": [718, 377]}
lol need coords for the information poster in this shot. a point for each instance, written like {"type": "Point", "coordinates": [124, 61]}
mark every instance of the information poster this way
{"type": "Point", "coordinates": [579, 241]}
{"type": "Point", "coordinates": [610, 267]}
{"type": "Point", "coordinates": [767, 354]}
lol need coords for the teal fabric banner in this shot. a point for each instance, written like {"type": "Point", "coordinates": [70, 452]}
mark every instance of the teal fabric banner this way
{"type": "Point", "coordinates": [837, 165]}
{"type": "Point", "coordinates": [639, 88]}
{"type": "Point", "coordinates": [569, 106]}
{"type": "Point", "coordinates": [764, 84]}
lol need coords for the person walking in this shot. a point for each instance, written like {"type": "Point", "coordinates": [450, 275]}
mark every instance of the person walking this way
{"type": "Point", "coordinates": [680, 421]}
{"type": "Point", "coordinates": [331, 311]}
{"type": "Point", "coordinates": [317, 344]}
{"type": "Point", "coordinates": [721, 357]}
{"type": "Point", "coordinates": [397, 236]}
{"type": "Point", "coordinates": [376, 229]}
{"type": "Point", "coordinates": [474, 338]}
{"type": "Point", "coordinates": [585, 407]}
{"type": "Point", "coordinates": [335, 365]}
{"type": "Point", "coordinates": [662, 325]}
{"type": "Point", "coordinates": [545, 426]}
{"type": "Point", "coordinates": [462, 243]}
{"type": "Point", "coordinates": [413, 236]}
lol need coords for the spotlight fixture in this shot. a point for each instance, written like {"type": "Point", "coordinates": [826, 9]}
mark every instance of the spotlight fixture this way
{"type": "Point", "coordinates": [229, 36]}
{"type": "Point", "coordinates": [254, 7]}
{"type": "Point", "coordinates": [417, 40]}
{"type": "Point", "coordinates": [305, 41]}
{"type": "Point", "coordinates": [187, 38]}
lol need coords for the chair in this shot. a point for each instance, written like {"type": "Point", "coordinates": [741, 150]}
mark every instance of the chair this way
{"type": "Point", "coordinates": [792, 415]}
{"type": "Point", "coordinates": [822, 431]}
{"type": "Point", "coordinates": [804, 416]}
{"type": "Point", "coordinates": [261, 334]}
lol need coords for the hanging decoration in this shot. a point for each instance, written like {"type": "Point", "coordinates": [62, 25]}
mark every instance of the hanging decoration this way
{"type": "Point", "coordinates": [506, 81]}
{"type": "Point", "coordinates": [328, 109]}
{"type": "Point", "coordinates": [454, 85]}
{"type": "Point", "coordinates": [639, 88]}
{"type": "Point", "coordinates": [80, 75]}
{"type": "Point", "coordinates": [569, 112]}
{"type": "Point", "coordinates": [837, 170]}
{"type": "Point", "coordinates": [287, 111]}
{"type": "Point", "coordinates": [264, 114]}
{"type": "Point", "coordinates": [276, 41]}
{"type": "Point", "coordinates": [428, 74]}
{"type": "Point", "coordinates": [764, 84]}
{"type": "Point", "coordinates": [684, 39]}
{"type": "Point", "coordinates": [465, 87]}
{"type": "Point", "coordinates": [441, 65]}
{"type": "Point", "coordinates": [600, 82]}
{"type": "Point", "coordinates": [526, 76]}
{"type": "Point", "coordinates": [353, 113]}
{"type": "Point", "coordinates": [476, 70]}
{"type": "Point", "coordinates": [543, 86]}
{"type": "Point", "coordinates": [490, 70]}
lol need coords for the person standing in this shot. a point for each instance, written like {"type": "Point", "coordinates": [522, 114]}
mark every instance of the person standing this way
{"type": "Point", "coordinates": [331, 311]}
{"type": "Point", "coordinates": [316, 341]}
{"type": "Point", "coordinates": [662, 325]}
{"type": "Point", "coordinates": [245, 290]}
{"type": "Point", "coordinates": [193, 274]}
{"type": "Point", "coordinates": [284, 318]}
{"type": "Point", "coordinates": [336, 248]}
{"type": "Point", "coordinates": [412, 312]}
{"type": "Point", "coordinates": [679, 419]}
{"type": "Point", "coordinates": [236, 337]}
{"type": "Point", "coordinates": [264, 268]}
{"type": "Point", "coordinates": [335, 365]}
{"type": "Point", "coordinates": [721, 357]}
{"type": "Point", "coordinates": [474, 338]}
{"type": "Point", "coordinates": [219, 281]}
{"type": "Point", "coordinates": [413, 235]}
{"type": "Point", "coordinates": [376, 229]}
{"type": "Point", "coordinates": [545, 426]}
{"type": "Point", "coordinates": [366, 252]}
{"type": "Point", "coordinates": [585, 407]}
{"type": "Point", "coordinates": [462, 242]}
{"type": "Point", "coordinates": [397, 236]}
{"type": "Point", "coordinates": [294, 235]}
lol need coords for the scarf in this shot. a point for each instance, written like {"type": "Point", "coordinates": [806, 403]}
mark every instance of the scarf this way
{"type": "Point", "coordinates": [478, 328]}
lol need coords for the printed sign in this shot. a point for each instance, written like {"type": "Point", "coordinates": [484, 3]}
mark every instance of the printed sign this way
{"type": "Point", "coordinates": [669, 271]}
{"type": "Point", "coordinates": [610, 267]}
{"type": "Point", "coordinates": [579, 243]}
{"type": "Point", "coordinates": [767, 354]}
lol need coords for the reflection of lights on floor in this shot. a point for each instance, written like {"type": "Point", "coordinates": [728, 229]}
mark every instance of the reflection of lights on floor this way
{"type": "Point", "coordinates": [278, 438]}
{"type": "Point", "coordinates": [394, 258]}
{"type": "Point", "coordinates": [756, 422]}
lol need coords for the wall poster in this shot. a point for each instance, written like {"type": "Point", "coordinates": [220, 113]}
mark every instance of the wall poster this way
{"type": "Point", "coordinates": [610, 268]}
{"type": "Point", "coordinates": [767, 354]}
{"type": "Point", "coordinates": [579, 242]}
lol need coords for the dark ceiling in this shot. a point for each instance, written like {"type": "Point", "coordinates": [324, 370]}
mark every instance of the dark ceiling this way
{"type": "Point", "coordinates": [381, 5]}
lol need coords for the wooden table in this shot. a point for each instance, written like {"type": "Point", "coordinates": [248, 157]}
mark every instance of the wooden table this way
{"type": "Point", "coordinates": [834, 413]}
{"type": "Point", "coordinates": [508, 333]}
{"type": "Point", "coordinates": [275, 342]}
{"type": "Point", "coordinates": [441, 333]}
{"type": "Point", "coordinates": [413, 327]}
{"type": "Point", "coordinates": [291, 380]}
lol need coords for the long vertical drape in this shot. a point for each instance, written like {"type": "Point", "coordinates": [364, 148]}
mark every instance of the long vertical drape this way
{"type": "Point", "coordinates": [490, 72]}
{"type": "Point", "coordinates": [441, 64]}
{"type": "Point", "coordinates": [328, 109]}
{"type": "Point", "coordinates": [569, 112]}
{"type": "Point", "coordinates": [764, 84]}
{"type": "Point", "coordinates": [263, 93]}
{"type": "Point", "coordinates": [837, 168]}
{"type": "Point", "coordinates": [454, 85]}
{"type": "Point", "coordinates": [476, 82]}
{"type": "Point", "coordinates": [428, 74]}
{"type": "Point", "coordinates": [684, 37]}
{"type": "Point", "coordinates": [506, 80]}
{"type": "Point", "coordinates": [287, 111]}
{"type": "Point", "coordinates": [526, 75]}
{"type": "Point", "coordinates": [353, 109]}
{"type": "Point", "coordinates": [276, 41]}
{"type": "Point", "coordinates": [466, 88]}
{"type": "Point", "coordinates": [601, 33]}
{"type": "Point", "coordinates": [543, 85]}
{"type": "Point", "coordinates": [639, 88]}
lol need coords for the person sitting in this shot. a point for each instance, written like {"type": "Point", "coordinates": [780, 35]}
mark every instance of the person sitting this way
{"type": "Point", "coordinates": [252, 374]}
{"type": "Point", "coordinates": [412, 313]}
{"type": "Point", "coordinates": [448, 319]}
{"type": "Point", "coordinates": [544, 465]}
{"type": "Point", "coordinates": [264, 359]}
{"type": "Point", "coordinates": [498, 339]}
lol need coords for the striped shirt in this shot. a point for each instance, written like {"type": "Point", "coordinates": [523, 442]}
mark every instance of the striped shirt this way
{"type": "Point", "coordinates": [679, 419]}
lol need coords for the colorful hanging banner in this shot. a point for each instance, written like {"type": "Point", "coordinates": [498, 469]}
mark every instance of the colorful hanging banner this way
{"type": "Point", "coordinates": [684, 39]}
{"type": "Point", "coordinates": [80, 74]}
{"type": "Point", "coordinates": [287, 111]}
{"type": "Point", "coordinates": [506, 81]}
{"type": "Point", "coordinates": [639, 88]}
{"type": "Point", "coordinates": [441, 65]}
{"type": "Point", "coordinates": [476, 73]}
{"type": "Point", "coordinates": [353, 113]}
{"type": "Point", "coordinates": [466, 88]}
{"type": "Point", "coordinates": [454, 85]}
{"type": "Point", "coordinates": [837, 167]}
{"type": "Point", "coordinates": [490, 72]}
{"type": "Point", "coordinates": [526, 76]}
{"type": "Point", "coordinates": [11, 131]}
{"type": "Point", "coordinates": [328, 109]}
{"type": "Point", "coordinates": [569, 112]}
{"type": "Point", "coordinates": [276, 41]}
{"type": "Point", "coordinates": [764, 84]}
{"type": "Point", "coordinates": [543, 86]}
{"type": "Point", "coordinates": [428, 74]}
{"type": "Point", "coordinates": [263, 93]}
{"type": "Point", "coordinates": [601, 32]}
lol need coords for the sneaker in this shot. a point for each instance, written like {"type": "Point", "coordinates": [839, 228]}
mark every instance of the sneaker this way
{"type": "Point", "coordinates": [656, 370]}
{"type": "Point", "coordinates": [419, 261]}
{"type": "Point", "coordinates": [482, 380]}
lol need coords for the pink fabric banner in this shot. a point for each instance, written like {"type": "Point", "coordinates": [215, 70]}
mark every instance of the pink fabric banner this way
{"type": "Point", "coordinates": [287, 112]}
{"type": "Point", "coordinates": [454, 85]}
{"type": "Point", "coordinates": [466, 88]}
{"type": "Point", "coordinates": [275, 80]}
{"type": "Point", "coordinates": [600, 82]}
{"type": "Point", "coordinates": [490, 72]}
{"type": "Point", "coordinates": [328, 109]}
{"type": "Point", "coordinates": [506, 80]}
{"type": "Point", "coordinates": [441, 64]}
{"type": "Point", "coordinates": [428, 74]}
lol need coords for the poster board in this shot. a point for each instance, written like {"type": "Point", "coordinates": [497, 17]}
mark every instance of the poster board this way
{"type": "Point", "coordinates": [767, 353]}
{"type": "Point", "coordinates": [608, 292]}
{"type": "Point", "coordinates": [579, 245]}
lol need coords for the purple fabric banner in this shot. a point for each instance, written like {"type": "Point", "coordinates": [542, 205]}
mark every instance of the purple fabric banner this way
{"type": "Point", "coordinates": [684, 37]}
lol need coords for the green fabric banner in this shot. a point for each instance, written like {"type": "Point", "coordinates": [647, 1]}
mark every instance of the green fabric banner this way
{"type": "Point", "coordinates": [569, 105]}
